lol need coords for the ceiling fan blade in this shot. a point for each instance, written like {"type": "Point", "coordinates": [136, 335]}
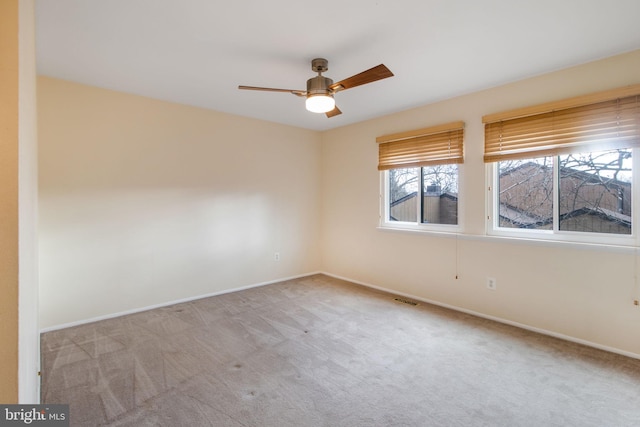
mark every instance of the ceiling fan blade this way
{"type": "Point", "coordinates": [270, 89]}
{"type": "Point", "coordinates": [371, 75]}
{"type": "Point", "coordinates": [336, 111]}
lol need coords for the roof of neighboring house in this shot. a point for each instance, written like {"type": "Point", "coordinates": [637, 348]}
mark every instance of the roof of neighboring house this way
{"type": "Point", "coordinates": [592, 178]}
{"type": "Point", "coordinates": [448, 195]}
{"type": "Point", "coordinates": [516, 216]}
{"type": "Point", "coordinates": [601, 212]}
{"type": "Point", "coordinates": [523, 220]}
{"type": "Point", "coordinates": [403, 199]}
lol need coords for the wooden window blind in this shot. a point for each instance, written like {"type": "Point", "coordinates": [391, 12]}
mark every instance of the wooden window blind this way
{"type": "Point", "coordinates": [431, 146]}
{"type": "Point", "coordinates": [601, 121]}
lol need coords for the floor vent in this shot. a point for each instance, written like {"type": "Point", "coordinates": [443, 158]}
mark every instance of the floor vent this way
{"type": "Point", "coordinates": [405, 301]}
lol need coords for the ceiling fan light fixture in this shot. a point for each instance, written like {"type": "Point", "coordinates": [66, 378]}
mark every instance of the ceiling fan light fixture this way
{"type": "Point", "coordinates": [320, 103]}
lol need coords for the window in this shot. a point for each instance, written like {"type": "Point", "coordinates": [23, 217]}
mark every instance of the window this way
{"type": "Point", "coordinates": [585, 192]}
{"type": "Point", "coordinates": [565, 169]}
{"type": "Point", "coordinates": [438, 186]}
{"type": "Point", "coordinates": [420, 176]}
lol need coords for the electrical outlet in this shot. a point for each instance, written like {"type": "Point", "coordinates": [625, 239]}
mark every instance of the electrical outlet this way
{"type": "Point", "coordinates": [276, 256]}
{"type": "Point", "coordinates": [491, 283]}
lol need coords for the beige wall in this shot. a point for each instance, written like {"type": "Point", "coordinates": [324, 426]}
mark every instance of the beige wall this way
{"type": "Point", "coordinates": [9, 201]}
{"type": "Point", "coordinates": [143, 202]}
{"type": "Point", "coordinates": [580, 292]}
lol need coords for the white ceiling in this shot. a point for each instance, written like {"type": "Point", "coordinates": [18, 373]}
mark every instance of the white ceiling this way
{"type": "Point", "coordinates": [197, 52]}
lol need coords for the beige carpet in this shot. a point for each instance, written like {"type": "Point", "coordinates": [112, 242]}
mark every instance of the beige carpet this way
{"type": "Point", "coordinates": [322, 352]}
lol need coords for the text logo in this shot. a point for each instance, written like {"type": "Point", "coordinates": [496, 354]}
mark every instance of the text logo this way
{"type": "Point", "coordinates": [34, 415]}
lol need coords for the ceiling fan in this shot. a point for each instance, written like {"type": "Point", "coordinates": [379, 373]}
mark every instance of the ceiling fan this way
{"type": "Point", "coordinates": [320, 89]}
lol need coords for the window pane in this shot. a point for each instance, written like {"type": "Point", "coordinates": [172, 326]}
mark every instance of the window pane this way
{"type": "Point", "coordinates": [595, 192]}
{"type": "Point", "coordinates": [403, 189]}
{"type": "Point", "coordinates": [526, 193]}
{"type": "Point", "coordinates": [440, 194]}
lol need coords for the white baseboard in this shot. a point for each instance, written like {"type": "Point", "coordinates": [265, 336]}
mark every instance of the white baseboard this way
{"type": "Point", "coordinates": [168, 303]}
{"type": "Point", "coordinates": [496, 319]}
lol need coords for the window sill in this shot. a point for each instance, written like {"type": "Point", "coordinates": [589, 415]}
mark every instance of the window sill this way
{"type": "Point", "coordinates": [442, 231]}
{"type": "Point", "coordinates": [627, 247]}
{"type": "Point", "coordinates": [630, 248]}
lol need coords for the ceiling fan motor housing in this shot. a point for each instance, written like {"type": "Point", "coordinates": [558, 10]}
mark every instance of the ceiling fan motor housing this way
{"type": "Point", "coordinates": [319, 85]}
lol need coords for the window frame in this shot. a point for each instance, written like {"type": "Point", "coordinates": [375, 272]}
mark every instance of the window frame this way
{"type": "Point", "coordinates": [555, 234]}
{"type": "Point", "coordinates": [386, 223]}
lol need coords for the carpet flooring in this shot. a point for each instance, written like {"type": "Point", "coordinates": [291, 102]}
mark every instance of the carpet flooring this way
{"type": "Point", "coordinates": [318, 351]}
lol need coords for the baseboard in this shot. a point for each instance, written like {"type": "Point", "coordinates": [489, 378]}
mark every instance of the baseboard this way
{"type": "Point", "coordinates": [494, 318]}
{"type": "Point", "coordinates": [168, 303]}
